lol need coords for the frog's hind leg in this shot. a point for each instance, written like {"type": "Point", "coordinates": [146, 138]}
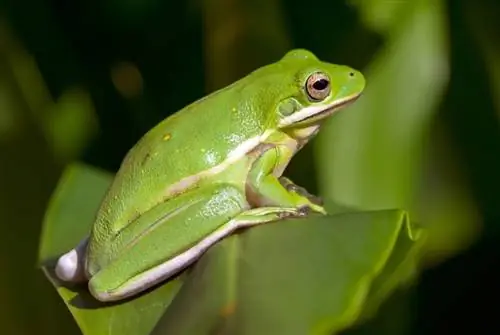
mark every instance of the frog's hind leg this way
{"type": "Point", "coordinates": [156, 246]}
{"type": "Point", "coordinates": [184, 228]}
{"type": "Point", "coordinates": [251, 217]}
{"type": "Point", "coordinates": [70, 267]}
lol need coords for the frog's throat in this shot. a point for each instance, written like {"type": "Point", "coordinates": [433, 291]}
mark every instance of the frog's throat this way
{"type": "Point", "coordinates": [316, 113]}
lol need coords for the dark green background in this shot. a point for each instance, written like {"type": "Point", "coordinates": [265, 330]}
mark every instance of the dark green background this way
{"type": "Point", "coordinates": [174, 46]}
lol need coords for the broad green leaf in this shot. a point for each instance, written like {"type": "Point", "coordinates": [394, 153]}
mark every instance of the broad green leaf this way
{"type": "Point", "coordinates": [300, 276]}
{"type": "Point", "coordinates": [71, 209]}
{"type": "Point", "coordinates": [316, 275]}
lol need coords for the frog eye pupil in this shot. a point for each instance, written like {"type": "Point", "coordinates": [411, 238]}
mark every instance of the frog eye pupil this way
{"type": "Point", "coordinates": [321, 84]}
{"type": "Point", "coordinates": [318, 86]}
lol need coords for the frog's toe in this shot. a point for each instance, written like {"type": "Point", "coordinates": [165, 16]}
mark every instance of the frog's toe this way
{"type": "Point", "coordinates": [316, 199]}
{"type": "Point", "coordinates": [70, 266]}
{"type": "Point", "coordinates": [290, 186]}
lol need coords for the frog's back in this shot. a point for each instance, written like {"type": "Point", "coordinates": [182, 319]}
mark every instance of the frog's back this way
{"type": "Point", "coordinates": [197, 138]}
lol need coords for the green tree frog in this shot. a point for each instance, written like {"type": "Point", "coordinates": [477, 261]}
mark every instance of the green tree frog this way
{"type": "Point", "coordinates": [211, 168]}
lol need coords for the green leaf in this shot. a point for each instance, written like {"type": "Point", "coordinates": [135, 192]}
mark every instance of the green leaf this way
{"type": "Point", "coordinates": [72, 206]}
{"type": "Point", "coordinates": [298, 276]}
{"type": "Point", "coordinates": [316, 275]}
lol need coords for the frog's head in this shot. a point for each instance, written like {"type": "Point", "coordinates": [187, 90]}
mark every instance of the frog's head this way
{"type": "Point", "coordinates": [309, 91]}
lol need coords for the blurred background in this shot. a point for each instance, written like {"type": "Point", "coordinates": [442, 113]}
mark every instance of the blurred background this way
{"type": "Point", "coordinates": [83, 80]}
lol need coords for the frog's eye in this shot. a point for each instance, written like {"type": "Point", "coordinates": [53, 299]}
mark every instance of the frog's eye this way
{"type": "Point", "coordinates": [318, 86]}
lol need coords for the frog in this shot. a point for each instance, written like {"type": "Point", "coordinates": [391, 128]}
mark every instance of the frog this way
{"type": "Point", "coordinates": [210, 169]}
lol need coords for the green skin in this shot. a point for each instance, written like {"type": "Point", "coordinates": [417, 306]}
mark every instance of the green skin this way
{"type": "Point", "coordinates": [211, 168]}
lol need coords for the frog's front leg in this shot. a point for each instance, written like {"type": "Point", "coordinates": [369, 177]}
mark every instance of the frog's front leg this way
{"type": "Point", "coordinates": [264, 188]}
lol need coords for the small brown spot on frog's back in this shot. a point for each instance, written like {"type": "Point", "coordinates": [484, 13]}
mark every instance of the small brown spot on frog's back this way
{"type": "Point", "coordinates": [146, 157]}
{"type": "Point", "coordinates": [228, 309]}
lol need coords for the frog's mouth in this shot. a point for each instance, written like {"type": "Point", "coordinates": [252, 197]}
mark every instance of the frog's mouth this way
{"type": "Point", "coordinates": [314, 114]}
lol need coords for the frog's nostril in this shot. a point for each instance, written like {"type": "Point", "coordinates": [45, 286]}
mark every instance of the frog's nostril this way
{"type": "Point", "coordinates": [351, 74]}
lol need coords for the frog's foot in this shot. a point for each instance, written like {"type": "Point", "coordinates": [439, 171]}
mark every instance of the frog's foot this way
{"type": "Point", "coordinates": [262, 215]}
{"type": "Point", "coordinates": [315, 202]}
{"type": "Point", "coordinates": [70, 267]}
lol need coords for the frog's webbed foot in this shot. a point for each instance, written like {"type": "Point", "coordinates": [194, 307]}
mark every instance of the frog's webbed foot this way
{"type": "Point", "coordinates": [291, 187]}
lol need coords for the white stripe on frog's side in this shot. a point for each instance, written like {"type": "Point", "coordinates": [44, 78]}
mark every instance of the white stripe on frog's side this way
{"type": "Point", "coordinates": [234, 156]}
